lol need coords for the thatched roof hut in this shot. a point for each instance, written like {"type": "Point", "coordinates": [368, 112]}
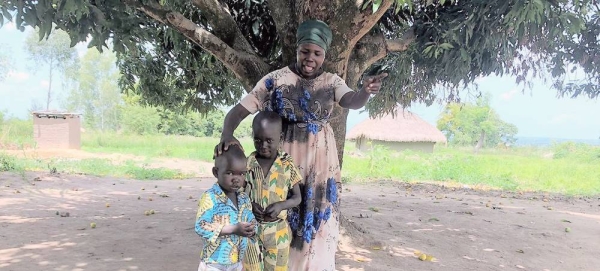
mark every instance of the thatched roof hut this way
{"type": "Point", "coordinates": [401, 131]}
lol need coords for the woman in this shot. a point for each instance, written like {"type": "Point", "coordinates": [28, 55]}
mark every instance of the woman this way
{"type": "Point", "coordinates": [304, 96]}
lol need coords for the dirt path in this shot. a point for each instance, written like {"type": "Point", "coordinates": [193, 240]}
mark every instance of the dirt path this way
{"type": "Point", "coordinates": [462, 229]}
{"type": "Point", "coordinates": [194, 167]}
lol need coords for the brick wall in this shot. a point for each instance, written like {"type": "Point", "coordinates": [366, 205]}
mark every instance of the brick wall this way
{"type": "Point", "coordinates": [61, 132]}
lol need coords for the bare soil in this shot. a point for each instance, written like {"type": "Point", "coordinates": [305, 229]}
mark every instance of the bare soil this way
{"type": "Point", "coordinates": [45, 224]}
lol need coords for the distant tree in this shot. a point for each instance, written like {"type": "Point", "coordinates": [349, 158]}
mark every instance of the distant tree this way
{"type": "Point", "coordinates": [96, 91]}
{"type": "Point", "coordinates": [4, 62]}
{"type": "Point", "coordinates": [53, 53]}
{"type": "Point", "coordinates": [475, 125]}
{"type": "Point", "coordinates": [139, 119]}
{"type": "Point", "coordinates": [180, 123]}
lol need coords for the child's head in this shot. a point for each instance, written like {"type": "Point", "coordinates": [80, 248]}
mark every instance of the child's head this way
{"type": "Point", "coordinates": [266, 131]}
{"type": "Point", "coordinates": [230, 169]}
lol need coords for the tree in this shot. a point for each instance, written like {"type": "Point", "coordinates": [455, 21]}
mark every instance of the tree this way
{"type": "Point", "coordinates": [187, 52]}
{"type": "Point", "coordinates": [475, 125]}
{"type": "Point", "coordinates": [53, 53]}
{"type": "Point", "coordinates": [96, 92]}
{"type": "Point", "coordinates": [138, 119]}
{"type": "Point", "coordinates": [4, 63]}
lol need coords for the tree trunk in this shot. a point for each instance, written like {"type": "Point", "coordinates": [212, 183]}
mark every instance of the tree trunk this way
{"type": "Point", "coordinates": [49, 87]}
{"type": "Point", "coordinates": [480, 142]}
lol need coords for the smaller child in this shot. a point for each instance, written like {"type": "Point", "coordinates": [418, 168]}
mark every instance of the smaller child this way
{"type": "Point", "coordinates": [224, 219]}
{"type": "Point", "coordinates": [271, 176]}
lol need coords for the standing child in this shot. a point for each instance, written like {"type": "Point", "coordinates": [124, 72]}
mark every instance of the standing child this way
{"type": "Point", "coordinates": [271, 175]}
{"type": "Point", "coordinates": [225, 220]}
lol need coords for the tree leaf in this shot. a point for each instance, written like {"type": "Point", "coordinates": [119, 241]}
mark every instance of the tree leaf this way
{"type": "Point", "coordinates": [256, 28]}
{"type": "Point", "coordinates": [376, 5]}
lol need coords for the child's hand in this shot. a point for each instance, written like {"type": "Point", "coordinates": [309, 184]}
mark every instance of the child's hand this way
{"type": "Point", "coordinates": [244, 229]}
{"type": "Point", "coordinates": [273, 210]}
{"type": "Point", "coordinates": [258, 212]}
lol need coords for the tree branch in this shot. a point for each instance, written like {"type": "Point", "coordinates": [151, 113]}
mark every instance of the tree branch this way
{"type": "Point", "coordinates": [347, 32]}
{"type": "Point", "coordinates": [223, 24]}
{"type": "Point", "coordinates": [370, 49]}
{"type": "Point", "coordinates": [400, 45]}
{"type": "Point", "coordinates": [247, 67]}
{"type": "Point", "coordinates": [285, 20]}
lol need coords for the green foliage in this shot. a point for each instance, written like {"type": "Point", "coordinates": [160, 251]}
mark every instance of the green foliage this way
{"type": "Point", "coordinates": [7, 163]}
{"type": "Point", "coordinates": [140, 120]}
{"type": "Point", "coordinates": [15, 133]}
{"type": "Point", "coordinates": [96, 93]}
{"type": "Point", "coordinates": [459, 41]}
{"type": "Point", "coordinates": [455, 43]}
{"type": "Point", "coordinates": [466, 124]}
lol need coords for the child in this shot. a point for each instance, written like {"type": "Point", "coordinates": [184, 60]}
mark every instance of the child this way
{"type": "Point", "coordinates": [271, 175]}
{"type": "Point", "coordinates": [225, 220]}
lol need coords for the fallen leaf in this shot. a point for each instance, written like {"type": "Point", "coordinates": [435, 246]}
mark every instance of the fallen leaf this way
{"type": "Point", "coordinates": [567, 229]}
{"type": "Point", "coordinates": [374, 209]}
{"type": "Point", "coordinates": [564, 220]}
{"type": "Point", "coordinates": [433, 219]}
{"type": "Point", "coordinates": [520, 251]}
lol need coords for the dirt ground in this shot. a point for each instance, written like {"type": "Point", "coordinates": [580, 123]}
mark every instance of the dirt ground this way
{"type": "Point", "coordinates": [462, 228]}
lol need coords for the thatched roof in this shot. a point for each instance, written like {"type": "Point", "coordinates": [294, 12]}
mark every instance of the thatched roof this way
{"type": "Point", "coordinates": [403, 127]}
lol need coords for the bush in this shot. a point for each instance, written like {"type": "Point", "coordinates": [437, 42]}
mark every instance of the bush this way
{"type": "Point", "coordinates": [140, 120]}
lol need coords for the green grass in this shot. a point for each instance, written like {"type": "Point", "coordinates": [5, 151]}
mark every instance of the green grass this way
{"type": "Point", "coordinates": [187, 147]}
{"type": "Point", "coordinates": [96, 167]}
{"type": "Point", "coordinates": [531, 170]}
{"type": "Point", "coordinates": [567, 168]}
{"type": "Point", "coordinates": [16, 134]}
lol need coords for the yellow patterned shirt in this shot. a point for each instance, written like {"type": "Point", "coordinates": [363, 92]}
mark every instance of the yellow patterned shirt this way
{"type": "Point", "coordinates": [265, 190]}
{"type": "Point", "coordinates": [215, 211]}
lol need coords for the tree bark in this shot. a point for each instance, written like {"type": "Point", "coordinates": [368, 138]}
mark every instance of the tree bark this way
{"type": "Point", "coordinates": [247, 66]}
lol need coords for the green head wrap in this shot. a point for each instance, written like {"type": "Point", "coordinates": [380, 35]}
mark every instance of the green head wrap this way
{"type": "Point", "coordinates": [315, 32]}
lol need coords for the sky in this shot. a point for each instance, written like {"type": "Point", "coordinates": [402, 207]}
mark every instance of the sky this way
{"type": "Point", "coordinates": [536, 112]}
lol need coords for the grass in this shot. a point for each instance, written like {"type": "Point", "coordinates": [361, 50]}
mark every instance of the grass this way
{"type": "Point", "coordinates": [530, 170]}
{"type": "Point", "coordinates": [16, 133]}
{"type": "Point", "coordinates": [186, 147]}
{"type": "Point", "coordinates": [96, 167]}
{"type": "Point", "coordinates": [567, 168]}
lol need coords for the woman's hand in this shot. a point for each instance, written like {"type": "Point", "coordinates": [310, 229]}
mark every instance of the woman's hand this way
{"type": "Point", "coordinates": [372, 84]}
{"type": "Point", "coordinates": [224, 145]}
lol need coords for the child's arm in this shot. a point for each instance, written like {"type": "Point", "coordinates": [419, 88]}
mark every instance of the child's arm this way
{"type": "Point", "coordinates": [294, 200]}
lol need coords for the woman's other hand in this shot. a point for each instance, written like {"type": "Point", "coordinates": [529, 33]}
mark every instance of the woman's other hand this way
{"type": "Point", "coordinates": [372, 84]}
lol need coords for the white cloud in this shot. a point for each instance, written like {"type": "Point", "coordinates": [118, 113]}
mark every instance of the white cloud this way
{"type": "Point", "coordinates": [509, 95]}
{"type": "Point", "coordinates": [17, 76]}
{"type": "Point", "coordinates": [44, 83]}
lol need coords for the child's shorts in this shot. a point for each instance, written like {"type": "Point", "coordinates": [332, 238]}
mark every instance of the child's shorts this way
{"type": "Point", "coordinates": [219, 267]}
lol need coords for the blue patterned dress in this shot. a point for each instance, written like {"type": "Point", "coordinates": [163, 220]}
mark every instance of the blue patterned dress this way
{"type": "Point", "coordinates": [305, 106]}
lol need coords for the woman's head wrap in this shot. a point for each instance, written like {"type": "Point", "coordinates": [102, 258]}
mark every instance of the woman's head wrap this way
{"type": "Point", "coordinates": [315, 32]}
